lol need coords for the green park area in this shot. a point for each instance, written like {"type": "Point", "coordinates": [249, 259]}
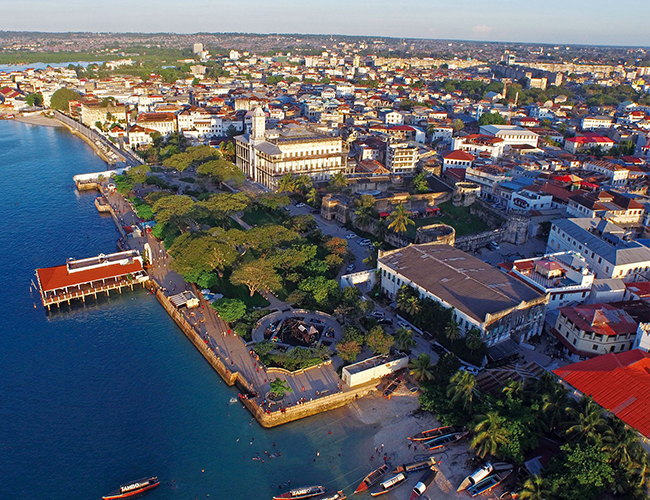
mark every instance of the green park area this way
{"type": "Point", "coordinates": [460, 218]}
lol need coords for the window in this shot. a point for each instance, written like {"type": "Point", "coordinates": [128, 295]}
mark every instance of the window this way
{"type": "Point", "coordinates": [594, 347]}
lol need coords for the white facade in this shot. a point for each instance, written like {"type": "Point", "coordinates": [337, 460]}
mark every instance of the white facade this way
{"type": "Point", "coordinates": [401, 158]}
{"type": "Point", "coordinates": [642, 340]}
{"type": "Point", "coordinates": [394, 118]}
{"type": "Point", "coordinates": [512, 135]}
{"type": "Point", "coordinates": [372, 369]}
{"type": "Point", "coordinates": [528, 200]}
{"type": "Point", "coordinates": [596, 122]}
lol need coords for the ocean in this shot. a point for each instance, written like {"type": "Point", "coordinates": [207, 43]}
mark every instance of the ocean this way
{"type": "Point", "coordinates": [101, 393]}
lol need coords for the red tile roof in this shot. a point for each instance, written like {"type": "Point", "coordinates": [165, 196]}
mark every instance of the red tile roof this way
{"type": "Point", "coordinates": [459, 155]}
{"type": "Point", "coordinates": [619, 382]}
{"type": "Point", "coordinates": [53, 278]}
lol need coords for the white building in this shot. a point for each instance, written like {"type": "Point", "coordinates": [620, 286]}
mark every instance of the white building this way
{"type": "Point", "coordinates": [394, 118]}
{"type": "Point", "coordinates": [596, 122]}
{"type": "Point", "coordinates": [401, 157]}
{"type": "Point", "coordinates": [526, 200]}
{"type": "Point", "coordinates": [512, 135]}
{"type": "Point", "coordinates": [605, 247]}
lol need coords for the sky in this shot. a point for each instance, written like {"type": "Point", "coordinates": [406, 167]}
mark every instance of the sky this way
{"type": "Point", "coordinates": [591, 22]}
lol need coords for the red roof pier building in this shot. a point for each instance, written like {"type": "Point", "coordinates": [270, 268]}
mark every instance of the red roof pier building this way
{"type": "Point", "coordinates": [78, 279]}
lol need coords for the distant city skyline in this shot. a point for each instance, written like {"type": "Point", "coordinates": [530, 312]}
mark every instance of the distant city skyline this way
{"type": "Point", "coordinates": [585, 22]}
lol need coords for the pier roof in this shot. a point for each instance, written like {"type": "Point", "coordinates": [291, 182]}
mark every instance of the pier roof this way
{"type": "Point", "coordinates": [55, 278]}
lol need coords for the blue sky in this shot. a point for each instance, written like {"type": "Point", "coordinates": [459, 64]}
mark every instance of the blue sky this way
{"type": "Point", "coordinates": [602, 22]}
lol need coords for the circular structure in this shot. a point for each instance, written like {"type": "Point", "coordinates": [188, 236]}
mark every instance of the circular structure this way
{"type": "Point", "coordinates": [436, 233]}
{"type": "Point", "coordinates": [465, 193]}
{"type": "Point", "coordinates": [298, 328]}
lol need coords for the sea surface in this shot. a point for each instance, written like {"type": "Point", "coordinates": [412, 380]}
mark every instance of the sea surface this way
{"type": "Point", "coordinates": [109, 391]}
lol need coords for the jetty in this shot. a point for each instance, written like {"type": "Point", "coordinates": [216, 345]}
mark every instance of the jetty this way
{"type": "Point", "coordinates": [78, 279]}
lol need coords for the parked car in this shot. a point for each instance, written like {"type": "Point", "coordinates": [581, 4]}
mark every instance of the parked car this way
{"type": "Point", "coordinates": [385, 321]}
{"type": "Point", "coordinates": [377, 314]}
{"type": "Point", "coordinates": [404, 324]}
{"type": "Point", "coordinates": [300, 205]}
{"type": "Point", "coordinates": [493, 245]}
{"type": "Point", "coordinates": [470, 369]}
{"type": "Point", "coordinates": [438, 349]}
{"type": "Point", "coordinates": [350, 236]}
{"type": "Point", "coordinates": [351, 267]}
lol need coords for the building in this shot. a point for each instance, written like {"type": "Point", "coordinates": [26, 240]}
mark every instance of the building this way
{"type": "Point", "coordinates": [564, 276]}
{"type": "Point", "coordinates": [586, 142]}
{"type": "Point", "coordinates": [163, 123]}
{"type": "Point", "coordinates": [512, 135]}
{"type": "Point", "coordinates": [606, 248]}
{"type": "Point", "coordinates": [609, 205]}
{"type": "Point", "coordinates": [457, 159]}
{"type": "Point", "coordinates": [500, 306]}
{"type": "Point", "coordinates": [401, 157]}
{"type": "Point", "coordinates": [617, 174]}
{"type": "Point", "coordinates": [527, 199]}
{"type": "Point", "coordinates": [590, 330]}
{"type": "Point", "coordinates": [91, 111]}
{"type": "Point", "coordinates": [479, 144]}
{"type": "Point", "coordinates": [596, 122]}
{"type": "Point", "coordinates": [619, 382]}
{"type": "Point", "coordinates": [265, 156]}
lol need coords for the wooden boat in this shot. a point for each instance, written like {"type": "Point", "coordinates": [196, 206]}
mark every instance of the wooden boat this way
{"type": "Point", "coordinates": [133, 488]}
{"type": "Point", "coordinates": [489, 482]}
{"type": "Point", "coordinates": [390, 484]}
{"type": "Point", "coordinates": [332, 495]}
{"type": "Point", "coordinates": [302, 492]}
{"type": "Point", "coordinates": [446, 440]}
{"type": "Point", "coordinates": [392, 387]}
{"type": "Point", "coordinates": [423, 483]}
{"type": "Point", "coordinates": [432, 433]}
{"type": "Point", "coordinates": [416, 466]}
{"type": "Point", "coordinates": [483, 472]}
{"type": "Point", "coordinates": [371, 479]}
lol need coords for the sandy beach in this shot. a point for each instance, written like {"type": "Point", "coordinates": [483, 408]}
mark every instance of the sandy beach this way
{"type": "Point", "coordinates": [395, 420]}
{"type": "Point", "coordinates": [38, 119]}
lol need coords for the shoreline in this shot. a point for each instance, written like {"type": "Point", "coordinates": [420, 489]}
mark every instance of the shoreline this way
{"type": "Point", "coordinates": [38, 119]}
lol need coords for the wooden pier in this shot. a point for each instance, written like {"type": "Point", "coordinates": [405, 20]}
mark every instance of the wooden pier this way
{"type": "Point", "coordinates": [78, 279]}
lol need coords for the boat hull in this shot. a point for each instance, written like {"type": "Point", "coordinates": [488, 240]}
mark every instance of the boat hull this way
{"type": "Point", "coordinates": [127, 494]}
{"type": "Point", "coordinates": [432, 433]}
{"type": "Point", "coordinates": [309, 492]}
{"type": "Point", "coordinates": [371, 479]}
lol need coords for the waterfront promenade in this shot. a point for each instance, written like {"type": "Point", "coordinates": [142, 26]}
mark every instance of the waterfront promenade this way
{"type": "Point", "coordinates": [308, 386]}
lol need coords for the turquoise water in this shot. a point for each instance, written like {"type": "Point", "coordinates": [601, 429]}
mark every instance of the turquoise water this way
{"type": "Point", "coordinates": [99, 394]}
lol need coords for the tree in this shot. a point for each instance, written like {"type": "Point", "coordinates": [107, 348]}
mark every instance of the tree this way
{"type": "Point", "coordinates": [586, 421]}
{"type": "Point", "coordinates": [535, 488]}
{"type": "Point", "coordinates": [258, 276]}
{"type": "Point", "coordinates": [399, 219]}
{"type": "Point", "coordinates": [491, 119]}
{"type": "Point", "coordinates": [581, 472]}
{"type": "Point", "coordinates": [554, 406]}
{"type": "Point", "coordinates": [286, 184]}
{"type": "Point", "coordinates": [222, 205]}
{"type": "Point", "coordinates": [404, 339]}
{"type": "Point", "coordinates": [457, 125]}
{"type": "Point", "coordinates": [490, 435]}
{"type": "Point", "coordinates": [420, 368]}
{"type": "Point", "coordinates": [420, 184]}
{"type": "Point", "coordinates": [138, 175]}
{"type": "Point", "coordinates": [230, 310]}
{"type": "Point", "coordinates": [337, 182]}
{"type": "Point", "coordinates": [364, 212]}
{"type": "Point", "coordinates": [623, 444]}
{"type": "Point", "coordinates": [198, 253]}
{"type": "Point", "coordinates": [62, 97]}
{"type": "Point", "coordinates": [173, 209]}
{"type": "Point", "coordinates": [220, 171]}
{"type": "Point", "coordinates": [348, 350]}
{"type": "Point", "coordinates": [227, 150]}
{"type": "Point", "coordinates": [473, 339]}
{"type": "Point", "coordinates": [34, 99]}
{"type": "Point", "coordinates": [320, 289]}
{"type": "Point", "coordinates": [452, 331]}
{"type": "Point", "coordinates": [288, 260]}
{"type": "Point", "coordinates": [279, 388]}
{"type": "Point", "coordinates": [378, 341]}
{"type": "Point", "coordinates": [462, 388]}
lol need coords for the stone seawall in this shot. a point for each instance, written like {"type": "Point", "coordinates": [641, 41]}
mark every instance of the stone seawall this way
{"type": "Point", "coordinates": [273, 419]}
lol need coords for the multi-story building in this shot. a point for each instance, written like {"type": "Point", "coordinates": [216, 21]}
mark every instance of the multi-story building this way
{"type": "Point", "coordinates": [457, 159]}
{"type": "Point", "coordinates": [594, 329]}
{"type": "Point", "coordinates": [565, 276]}
{"type": "Point", "coordinates": [587, 141]}
{"type": "Point", "coordinates": [609, 205]}
{"type": "Point", "coordinates": [607, 248]}
{"type": "Point", "coordinates": [499, 305]}
{"type": "Point", "coordinates": [265, 156]}
{"type": "Point", "coordinates": [617, 174]}
{"type": "Point", "coordinates": [401, 157]}
{"type": "Point", "coordinates": [512, 135]}
{"type": "Point", "coordinates": [478, 144]}
{"type": "Point", "coordinates": [164, 123]}
{"type": "Point", "coordinates": [596, 122]}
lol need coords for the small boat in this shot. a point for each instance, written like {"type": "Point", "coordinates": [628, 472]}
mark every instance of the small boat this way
{"type": "Point", "coordinates": [390, 484]}
{"type": "Point", "coordinates": [416, 466]}
{"type": "Point", "coordinates": [432, 433]}
{"type": "Point", "coordinates": [483, 472]}
{"type": "Point", "coordinates": [446, 440]}
{"type": "Point", "coordinates": [332, 495]}
{"type": "Point", "coordinates": [302, 492]}
{"type": "Point", "coordinates": [234, 400]}
{"type": "Point", "coordinates": [486, 484]}
{"type": "Point", "coordinates": [392, 387]}
{"type": "Point", "coordinates": [423, 483]}
{"type": "Point", "coordinates": [371, 479]}
{"type": "Point", "coordinates": [133, 488]}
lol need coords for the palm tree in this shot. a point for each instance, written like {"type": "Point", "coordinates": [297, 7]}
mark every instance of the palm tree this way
{"type": "Point", "coordinates": [286, 184]}
{"type": "Point", "coordinates": [489, 435]}
{"type": "Point", "coordinates": [420, 368]}
{"type": "Point", "coordinates": [586, 422]}
{"type": "Point", "coordinates": [623, 444]}
{"type": "Point", "coordinates": [514, 389]}
{"type": "Point", "coordinates": [338, 181]}
{"type": "Point", "coordinates": [404, 339]}
{"type": "Point", "coordinates": [554, 406]}
{"type": "Point", "coordinates": [462, 387]}
{"type": "Point", "coordinates": [399, 219]}
{"type": "Point", "coordinates": [535, 488]}
{"type": "Point", "coordinates": [312, 196]}
{"type": "Point", "coordinates": [303, 183]}
{"type": "Point", "coordinates": [473, 339]}
{"type": "Point", "coordinates": [452, 332]}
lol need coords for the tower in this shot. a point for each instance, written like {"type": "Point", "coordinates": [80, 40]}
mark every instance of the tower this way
{"type": "Point", "coordinates": [258, 125]}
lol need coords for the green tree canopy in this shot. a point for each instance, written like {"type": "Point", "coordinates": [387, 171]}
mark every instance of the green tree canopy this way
{"type": "Point", "coordinates": [400, 219]}
{"type": "Point", "coordinates": [258, 276]}
{"type": "Point", "coordinates": [173, 209]}
{"type": "Point", "coordinates": [378, 341]}
{"type": "Point", "coordinates": [197, 253]}
{"type": "Point", "coordinates": [491, 119]}
{"type": "Point", "coordinates": [62, 97]}
{"type": "Point", "coordinates": [230, 310]}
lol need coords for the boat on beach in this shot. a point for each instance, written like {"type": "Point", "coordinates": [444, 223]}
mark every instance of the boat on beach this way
{"type": "Point", "coordinates": [416, 466]}
{"type": "Point", "coordinates": [432, 433]}
{"type": "Point", "coordinates": [332, 495]}
{"type": "Point", "coordinates": [133, 488]}
{"type": "Point", "coordinates": [302, 492]}
{"type": "Point", "coordinates": [483, 472]}
{"type": "Point", "coordinates": [446, 440]}
{"type": "Point", "coordinates": [390, 484]}
{"type": "Point", "coordinates": [423, 483]}
{"type": "Point", "coordinates": [371, 479]}
{"type": "Point", "coordinates": [486, 484]}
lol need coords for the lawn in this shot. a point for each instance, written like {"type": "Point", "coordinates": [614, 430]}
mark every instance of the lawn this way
{"type": "Point", "coordinates": [459, 218]}
{"type": "Point", "coordinates": [260, 217]}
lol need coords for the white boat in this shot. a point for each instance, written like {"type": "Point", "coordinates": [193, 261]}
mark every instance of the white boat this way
{"type": "Point", "coordinates": [483, 472]}
{"type": "Point", "coordinates": [390, 484]}
{"type": "Point", "coordinates": [233, 400]}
